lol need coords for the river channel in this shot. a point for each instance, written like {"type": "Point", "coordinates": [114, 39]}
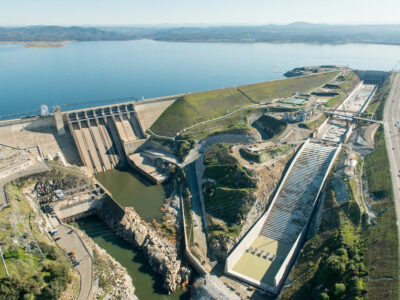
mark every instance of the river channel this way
{"type": "Point", "coordinates": [129, 189]}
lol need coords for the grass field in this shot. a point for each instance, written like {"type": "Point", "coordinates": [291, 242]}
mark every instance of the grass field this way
{"type": "Point", "coordinates": [198, 107]}
{"type": "Point", "coordinates": [382, 237]}
{"type": "Point", "coordinates": [377, 103]}
{"type": "Point", "coordinates": [286, 87]}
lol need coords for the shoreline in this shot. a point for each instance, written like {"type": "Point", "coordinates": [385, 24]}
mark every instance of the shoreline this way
{"type": "Point", "coordinates": [38, 44]}
{"type": "Point", "coordinates": [57, 44]}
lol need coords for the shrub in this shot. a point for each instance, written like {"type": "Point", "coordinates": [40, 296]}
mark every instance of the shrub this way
{"type": "Point", "coordinates": [339, 290]}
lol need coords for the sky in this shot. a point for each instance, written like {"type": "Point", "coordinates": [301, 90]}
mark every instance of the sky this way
{"type": "Point", "coordinates": [131, 12]}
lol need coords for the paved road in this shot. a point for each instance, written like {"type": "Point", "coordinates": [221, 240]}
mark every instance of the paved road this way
{"type": "Point", "coordinates": [70, 242]}
{"type": "Point", "coordinates": [392, 138]}
{"type": "Point", "coordinates": [34, 169]}
{"type": "Point", "coordinates": [199, 232]}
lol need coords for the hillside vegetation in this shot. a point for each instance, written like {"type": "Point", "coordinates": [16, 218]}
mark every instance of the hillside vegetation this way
{"type": "Point", "coordinates": [228, 194]}
{"type": "Point", "coordinates": [333, 264]}
{"type": "Point", "coordinates": [269, 126]}
{"type": "Point", "coordinates": [383, 236]}
{"type": "Point", "coordinates": [32, 276]}
{"type": "Point", "coordinates": [198, 107]}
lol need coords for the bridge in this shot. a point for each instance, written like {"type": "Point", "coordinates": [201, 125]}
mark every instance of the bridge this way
{"type": "Point", "coordinates": [352, 116]}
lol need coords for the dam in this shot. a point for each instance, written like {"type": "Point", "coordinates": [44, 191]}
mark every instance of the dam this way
{"type": "Point", "coordinates": [104, 135]}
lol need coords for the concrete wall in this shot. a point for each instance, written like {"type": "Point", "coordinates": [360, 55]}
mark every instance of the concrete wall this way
{"type": "Point", "coordinates": [293, 253]}
{"type": "Point", "coordinates": [64, 211]}
{"type": "Point", "coordinates": [132, 147]}
{"type": "Point", "coordinates": [111, 211]}
{"type": "Point", "coordinates": [248, 239]}
{"type": "Point", "coordinates": [32, 123]}
{"type": "Point", "coordinates": [374, 76]}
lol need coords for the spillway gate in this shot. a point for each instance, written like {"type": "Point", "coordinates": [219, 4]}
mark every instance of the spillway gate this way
{"type": "Point", "coordinates": [101, 134]}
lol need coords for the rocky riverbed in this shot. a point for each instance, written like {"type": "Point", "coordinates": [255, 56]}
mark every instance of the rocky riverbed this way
{"type": "Point", "coordinates": [161, 254]}
{"type": "Point", "coordinates": [111, 280]}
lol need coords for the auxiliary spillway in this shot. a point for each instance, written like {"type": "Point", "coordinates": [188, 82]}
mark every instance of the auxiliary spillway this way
{"type": "Point", "coordinates": [265, 255]}
{"type": "Point", "coordinates": [102, 135]}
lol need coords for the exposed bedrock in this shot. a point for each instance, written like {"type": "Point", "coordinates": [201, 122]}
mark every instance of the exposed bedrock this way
{"type": "Point", "coordinates": [209, 287]}
{"type": "Point", "coordinates": [161, 254]}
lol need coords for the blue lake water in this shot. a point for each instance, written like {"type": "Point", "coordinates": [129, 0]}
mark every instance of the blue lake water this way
{"type": "Point", "coordinates": [94, 71]}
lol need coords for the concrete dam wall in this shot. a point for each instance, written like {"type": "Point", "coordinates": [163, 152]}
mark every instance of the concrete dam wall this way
{"type": "Point", "coordinates": [102, 135]}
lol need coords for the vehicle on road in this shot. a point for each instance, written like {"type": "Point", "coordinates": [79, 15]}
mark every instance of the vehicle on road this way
{"type": "Point", "coordinates": [53, 232]}
{"type": "Point", "coordinates": [57, 239]}
{"type": "Point", "coordinates": [71, 231]}
{"type": "Point", "coordinates": [195, 223]}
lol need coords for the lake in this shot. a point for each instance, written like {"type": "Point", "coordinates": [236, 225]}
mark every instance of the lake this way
{"type": "Point", "coordinates": [97, 71]}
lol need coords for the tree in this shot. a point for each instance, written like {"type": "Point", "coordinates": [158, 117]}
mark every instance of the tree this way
{"type": "Point", "coordinates": [335, 265]}
{"type": "Point", "coordinates": [339, 290]}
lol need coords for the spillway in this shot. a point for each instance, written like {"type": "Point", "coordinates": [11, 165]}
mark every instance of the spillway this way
{"type": "Point", "coordinates": [102, 133]}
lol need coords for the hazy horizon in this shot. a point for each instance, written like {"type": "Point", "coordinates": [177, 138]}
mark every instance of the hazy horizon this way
{"type": "Point", "coordinates": [187, 13]}
{"type": "Point", "coordinates": [171, 25]}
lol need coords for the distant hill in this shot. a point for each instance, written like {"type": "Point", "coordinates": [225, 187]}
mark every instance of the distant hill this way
{"type": "Point", "coordinates": [299, 32]}
{"type": "Point", "coordinates": [58, 34]}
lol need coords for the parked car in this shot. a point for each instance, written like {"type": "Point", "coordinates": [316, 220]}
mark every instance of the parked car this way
{"type": "Point", "coordinates": [195, 223]}
{"type": "Point", "coordinates": [53, 232]}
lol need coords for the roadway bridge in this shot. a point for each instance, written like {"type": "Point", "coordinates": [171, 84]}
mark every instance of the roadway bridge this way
{"type": "Point", "coordinates": [352, 116]}
{"type": "Point", "coordinates": [102, 134]}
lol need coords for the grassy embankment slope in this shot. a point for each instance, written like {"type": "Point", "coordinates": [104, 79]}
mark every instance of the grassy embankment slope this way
{"type": "Point", "coordinates": [31, 275]}
{"type": "Point", "coordinates": [199, 107]}
{"type": "Point", "coordinates": [371, 271]}
{"type": "Point", "coordinates": [349, 82]}
{"type": "Point", "coordinates": [228, 195]}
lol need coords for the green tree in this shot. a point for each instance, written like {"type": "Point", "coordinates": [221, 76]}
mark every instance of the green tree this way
{"type": "Point", "coordinates": [339, 290]}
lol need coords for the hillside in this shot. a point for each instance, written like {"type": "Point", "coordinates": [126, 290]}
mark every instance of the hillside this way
{"type": "Point", "coordinates": [198, 107]}
{"type": "Point", "coordinates": [298, 32]}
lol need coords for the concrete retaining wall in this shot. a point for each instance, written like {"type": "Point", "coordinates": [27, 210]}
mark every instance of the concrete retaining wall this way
{"type": "Point", "coordinates": [32, 123]}
{"type": "Point", "coordinates": [255, 230]}
{"type": "Point", "coordinates": [293, 253]}
{"type": "Point", "coordinates": [74, 210]}
{"type": "Point", "coordinates": [132, 147]}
